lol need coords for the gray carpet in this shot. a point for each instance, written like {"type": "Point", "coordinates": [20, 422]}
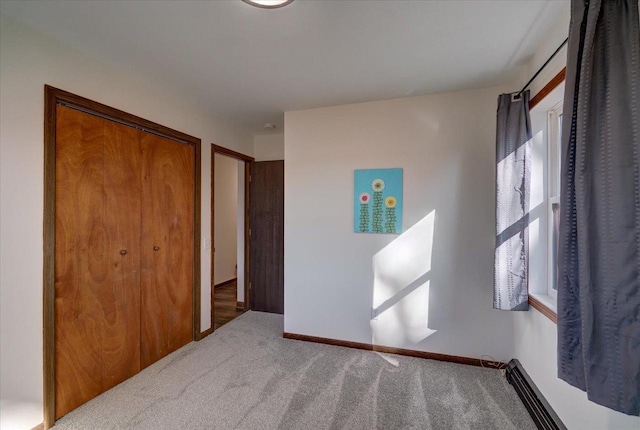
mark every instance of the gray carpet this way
{"type": "Point", "coordinates": [246, 376]}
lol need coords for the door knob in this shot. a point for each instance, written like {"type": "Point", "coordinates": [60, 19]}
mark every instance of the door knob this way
{"type": "Point", "coordinates": [123, 252]}
{"type": "Point", "coordinates": [156, 248]}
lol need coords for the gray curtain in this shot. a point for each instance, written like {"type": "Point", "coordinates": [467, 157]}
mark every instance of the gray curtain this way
{"type": "Point", "coordinates": [513, 175]}
{"type": "Point", "coordinates": [599, 254]}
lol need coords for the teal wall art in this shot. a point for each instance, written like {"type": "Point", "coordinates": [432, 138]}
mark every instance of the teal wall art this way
{"type": "Point", "coordinates": [377, 201]}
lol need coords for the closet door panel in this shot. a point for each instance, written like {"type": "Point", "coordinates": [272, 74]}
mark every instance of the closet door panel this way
{"type": "Point", "coordinates": [181, 239]}
{"type": "Point", "coordinates": [167, 246]}
{"type": "Point", "coordinates": [80, 266]}
{"type": "Point", "coordinates": [121, 292]}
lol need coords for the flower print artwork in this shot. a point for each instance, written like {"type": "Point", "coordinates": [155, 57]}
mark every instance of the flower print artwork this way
{"type": "Point", "coordinates": [390, 215]}
{"type": "Point", "coordinates": [378, 201]}
{"type": "Point", "coordinates": [364, 212]}
{"type": "Point", "coordinates": [378, 186]}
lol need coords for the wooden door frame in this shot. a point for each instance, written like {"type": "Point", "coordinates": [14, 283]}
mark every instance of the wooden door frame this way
{"type": "Point", "coordinates": [216, 149]}
{"type": "Point", "coordinates": [53, 97]}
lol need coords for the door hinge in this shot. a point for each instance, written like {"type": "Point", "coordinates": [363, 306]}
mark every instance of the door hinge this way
{"type": "Point", "coordinates": [249, 232]}
{"type": "Point", "coordinates": [249, 178]}
{"type": "Point", "coordinates": [249, 286]}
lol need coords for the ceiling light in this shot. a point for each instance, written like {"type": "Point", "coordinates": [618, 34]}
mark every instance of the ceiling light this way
{"type": "Point", "coordinates": [269, 126]}
{"type": "Point", "coordinates": [268, 4]}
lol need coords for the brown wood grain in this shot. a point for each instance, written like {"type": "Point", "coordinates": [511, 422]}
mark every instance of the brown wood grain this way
{"type": "Point", "coordinates": [225, 304]}
{"type": "Point", "coordinates": [212, 297]}
{"type": "Point", "coordinates": [247, 238]}
{"type": "Point", "coordinates": [267, 236]}
{"type": "Point", "coordinates": [196, 195]}
{"type": "Point", "coordinates": [551, 85]}
{"type": "Point", "coordinates": [80, 266]}
{"type": "Point", "coordinates": [122, 218]}
{"type": "Point", "coordinates": [205, 333]}
{"type": "Point", "coordinates": [227, 282]}
{"type": "Point", "coordinates": [230, 152]}
{"type": "Point", "coordinates": [48, 278]}
{"type": "Point", "coordinates": [61, 96]}
{"type": "Point", "coordinates": [167, 247]}
{"type": "Point", "coordinates": [400, 351]}
{"type": "Point", "coordinates": [53, 98]}
{"type": "Point", "coordinates": [216, 149]}
{"type": "Point", "coordinates": [544, 310]}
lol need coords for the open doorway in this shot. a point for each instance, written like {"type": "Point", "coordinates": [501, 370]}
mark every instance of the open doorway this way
{"type": "Point", "coordinates": [230, 256]}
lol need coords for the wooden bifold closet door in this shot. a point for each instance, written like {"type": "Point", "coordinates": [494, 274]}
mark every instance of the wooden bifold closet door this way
{"type": "Point", "coordinates": [123, 253]}
{"type": "Point", "coordinates": [167, 257]}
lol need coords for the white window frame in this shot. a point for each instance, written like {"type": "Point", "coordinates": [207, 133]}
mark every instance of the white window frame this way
{"type": "Point", "coordinates": [554, 150]}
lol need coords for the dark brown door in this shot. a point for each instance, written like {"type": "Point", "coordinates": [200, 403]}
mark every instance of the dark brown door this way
{"type": "Point", "coordinates": [267, 236]}
{"type": "Point", "coordinates": [167, 246]}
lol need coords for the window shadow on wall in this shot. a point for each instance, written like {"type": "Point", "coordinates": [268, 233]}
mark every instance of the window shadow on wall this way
{"type": "Point", "coordinates": [401, 286]}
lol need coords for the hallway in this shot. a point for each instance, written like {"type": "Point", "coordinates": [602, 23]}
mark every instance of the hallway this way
{"type": "Point", "coordinates": [224, 305]}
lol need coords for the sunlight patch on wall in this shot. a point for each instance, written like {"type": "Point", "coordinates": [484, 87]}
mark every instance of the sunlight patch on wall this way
{"type": "Point", "coordinates": [401, 286]}
{"type": "Point", "coordinates": [408, 318]}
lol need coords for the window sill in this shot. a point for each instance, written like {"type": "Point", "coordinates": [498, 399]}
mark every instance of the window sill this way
{"type": "Point", "coordinates": [545, 304]}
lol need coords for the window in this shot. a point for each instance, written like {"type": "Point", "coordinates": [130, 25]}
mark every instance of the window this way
{"type": "Point", "coordinates": [544, 211]}
{"type": "Point", "coordinates": [554, 151]}
{"type": "Point", "coordinates": [544, 204]}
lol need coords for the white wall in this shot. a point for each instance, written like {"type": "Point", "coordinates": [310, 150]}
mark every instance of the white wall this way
{"type": "Point", "coordinates": [225, 239]}
{"type": "Point", "coordinates": [536, 348]}
{"type": "Point", "coordinates": [240, 232]}
{"type": "Point", "coordinates": [268, 147]}
{"type": "Point", "coordinates": [28, 60]}
{"type": "Point", "coordinates": [558, 32]}
{"type": "Point", "coordinates": [444, 264]}
{"type": "Point", "coordinates": [535, 341]}
{"type": "Point", "coordinates": [445, 143]}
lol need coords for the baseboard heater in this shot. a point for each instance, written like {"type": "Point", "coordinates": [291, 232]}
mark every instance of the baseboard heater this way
{"type": "Point", "coordinates": [539, 409]}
